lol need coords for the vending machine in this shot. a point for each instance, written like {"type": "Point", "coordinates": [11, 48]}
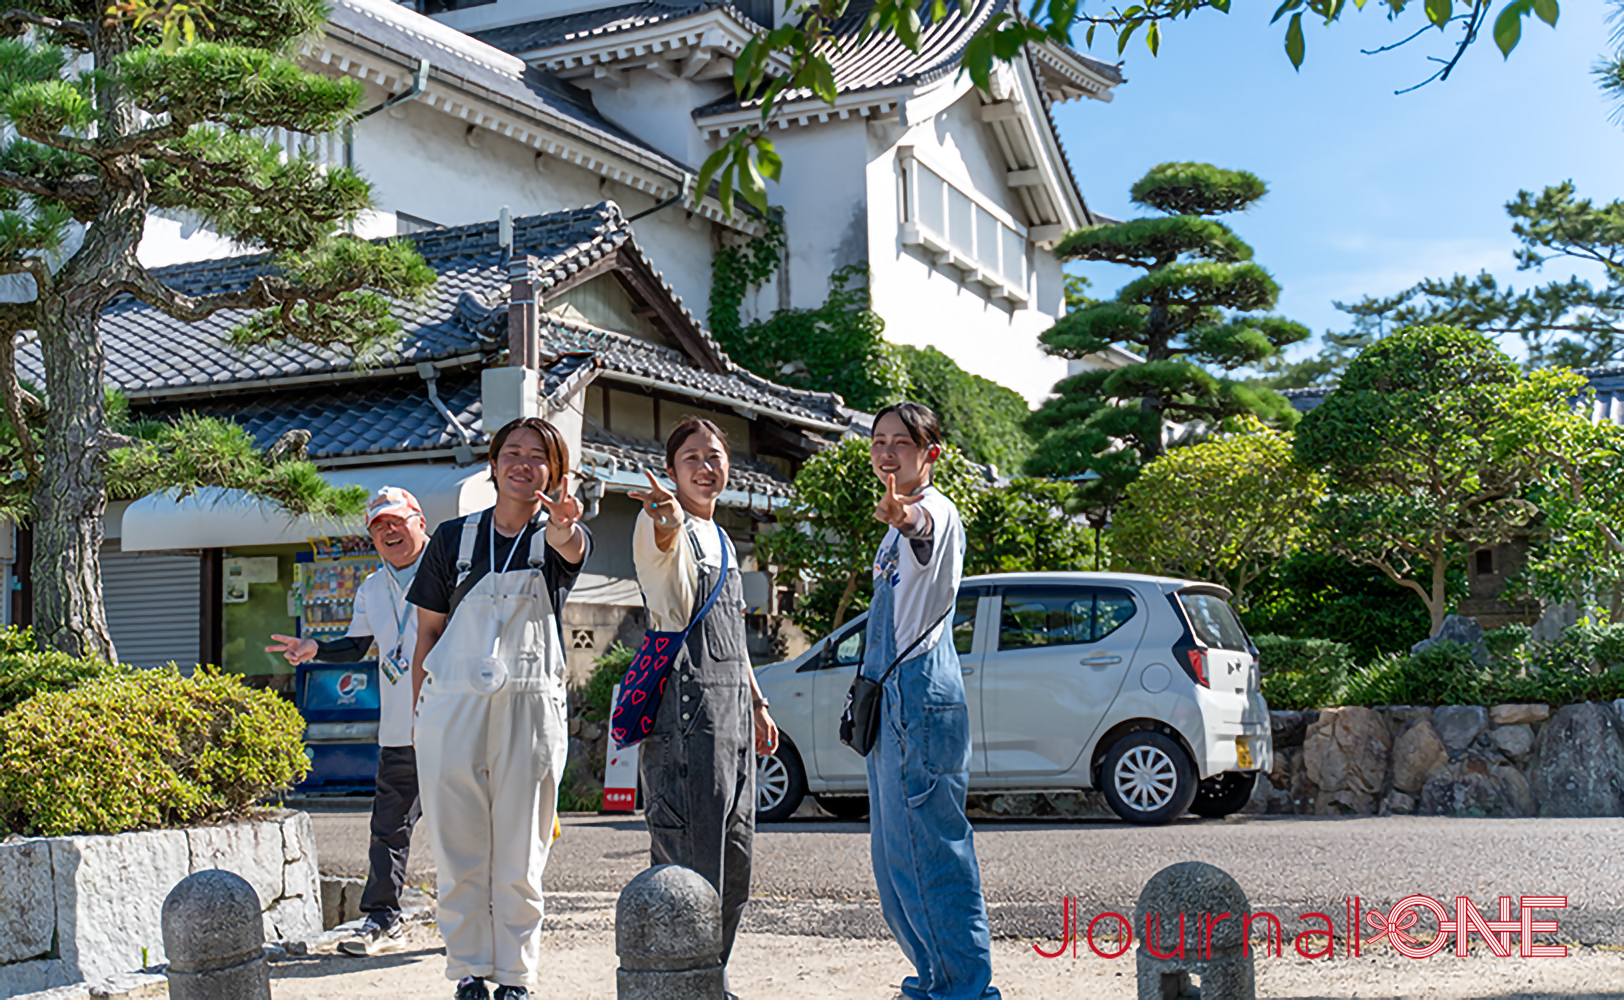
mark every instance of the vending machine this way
{"type": "Point", "coordinates": [339, 701]}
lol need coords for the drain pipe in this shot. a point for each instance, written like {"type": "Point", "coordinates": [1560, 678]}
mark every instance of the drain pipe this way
{"type": "Point", "coordinates": [420, 83]}
{"type": "Point", "coordinates": [464, 452]}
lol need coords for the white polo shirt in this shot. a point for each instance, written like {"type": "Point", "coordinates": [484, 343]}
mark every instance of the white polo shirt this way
{"type": "Point", "coordinates": [381, 611]}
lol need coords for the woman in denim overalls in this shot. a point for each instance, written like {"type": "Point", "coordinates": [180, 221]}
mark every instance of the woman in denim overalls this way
{"type": "Point", "coordinates": [919, 770]}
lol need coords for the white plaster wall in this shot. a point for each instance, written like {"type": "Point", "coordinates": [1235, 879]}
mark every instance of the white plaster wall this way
{"type": "Point", "coordinates": [825, 200]}
{"type": "Point", "coordinates": [422, 164]}
{"type": "Point", "coordinates": [660, 111]}
{"type": "Point", "coordinates": [927, 306]}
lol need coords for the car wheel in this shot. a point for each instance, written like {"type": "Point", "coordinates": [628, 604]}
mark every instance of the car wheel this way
{"type": "Point", "coordinates": [1223, 794]}
{"type": "Point", "coordinates": [1147, 778]}
{"type": "Point", "coordinates": [845, 806]}
{"type": "Point", "coordinates": [780, 783]}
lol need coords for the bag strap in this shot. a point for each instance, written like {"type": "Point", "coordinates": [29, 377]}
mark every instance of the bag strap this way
{"type": "Point", "coordinates": [716, 592]}
{"type": "Point", "coordinates": [465, 551]}
{"type": "Point", "coordinates": [904, 654]}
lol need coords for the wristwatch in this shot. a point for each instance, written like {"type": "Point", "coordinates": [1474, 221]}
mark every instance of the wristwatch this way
{"type": "Point", "coordinates": [762, 702]}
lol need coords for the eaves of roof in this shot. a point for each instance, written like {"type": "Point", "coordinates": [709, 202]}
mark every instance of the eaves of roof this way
{"type": "Point", "coordinates": [882, 63]}
{"type": "Point", "coordinates": [535, 38]}
{"type": "Point", "coordinates": [1054, 137]}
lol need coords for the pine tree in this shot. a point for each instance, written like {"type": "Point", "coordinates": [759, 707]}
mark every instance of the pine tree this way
{"type": "Point", "coordinates": [1184, 318]}
{"type": "Point", "coordinates": [111, 116]}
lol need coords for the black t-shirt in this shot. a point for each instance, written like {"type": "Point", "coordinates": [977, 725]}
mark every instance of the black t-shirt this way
{"type": "Point", "coordinates": [435, 586]}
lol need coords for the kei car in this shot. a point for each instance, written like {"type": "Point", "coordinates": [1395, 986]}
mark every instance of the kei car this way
{"type": "Point", "coordinates": [1143, 687]}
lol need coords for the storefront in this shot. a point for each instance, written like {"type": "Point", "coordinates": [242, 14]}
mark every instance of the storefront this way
{"type": "Point", "coordinates": [272, 573]}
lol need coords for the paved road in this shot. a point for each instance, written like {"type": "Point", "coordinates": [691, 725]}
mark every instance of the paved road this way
{"type": "Point", "coordinates": [814, 877]}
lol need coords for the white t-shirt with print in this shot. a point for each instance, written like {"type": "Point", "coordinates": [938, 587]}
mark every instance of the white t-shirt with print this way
{"type": "Point", "coordinates": [381, 611]}
{"type": "Point", "coordinates": [922, 591]}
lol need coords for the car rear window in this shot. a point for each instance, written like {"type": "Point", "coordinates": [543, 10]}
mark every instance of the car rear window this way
{"type": "Point", "coordinates": [1214, 621]}
{"type": "Point", "coordinates": [1061, 618]}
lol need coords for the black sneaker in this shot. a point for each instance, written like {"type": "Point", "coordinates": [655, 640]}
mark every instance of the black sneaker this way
{"type": "Point", "coordinates": [512, 993]}
{"type": "Point", "coordinates": [372, 938]}
{"type": "Point", "coordinates": [472, 988]}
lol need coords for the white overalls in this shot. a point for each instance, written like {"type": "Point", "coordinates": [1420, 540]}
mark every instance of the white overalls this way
{"type": "Point", "coordinates": [492, 738]}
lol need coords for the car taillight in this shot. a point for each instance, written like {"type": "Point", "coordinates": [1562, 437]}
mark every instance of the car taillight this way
{"type": "Point", "coordinates": [1198, 663]}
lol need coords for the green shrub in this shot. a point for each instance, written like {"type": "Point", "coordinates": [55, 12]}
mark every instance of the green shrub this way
{"type": "Point", "coordinates": [600, 687]}
{"type": "Point", "coordinates": [1302, 673]}
{"type": "Point", "coordinates": [1444, 674]}
{"type": "Point", "coordinates": [1504, 642]}
{"type": "Point", "coordinates": [142, 749]}
{"type": "Point", "coordinates": [27, 670]}
{"type": "Point", "coordinates": [1315, 595]}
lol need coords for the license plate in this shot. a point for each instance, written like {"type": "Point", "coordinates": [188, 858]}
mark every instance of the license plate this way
{"type": "Point", "coordinates": [1243, 753]}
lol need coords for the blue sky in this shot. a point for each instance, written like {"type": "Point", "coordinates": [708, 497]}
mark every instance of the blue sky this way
{"type": "Point", "coordinates": [1368, 191]}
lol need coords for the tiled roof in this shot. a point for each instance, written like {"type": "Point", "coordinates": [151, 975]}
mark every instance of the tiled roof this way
{"type": "Point", "coordinates": [148, 350]}
{"type": "Point", "coordinates": [880, 63]}
{"type": "Point", "coordinates": [465, 60]}
{"type": "Point", "coordinates": [368, 418]}
{"type": "Point", "coordinates": [621, 353]}
{"type": "Point", "coordinates": [634, 454]}
{"type": "Point", "coordinates": [1089, 218]}
{"type": "Point", "coordinates": [465, 315]}
{"type": "Point", "coordinates": [1607, 382]}
{"type": "Point", "coordinates": [545, 33]}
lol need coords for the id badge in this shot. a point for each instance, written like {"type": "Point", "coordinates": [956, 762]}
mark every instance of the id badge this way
{"type": "Point", "coordinates": [393, 665]}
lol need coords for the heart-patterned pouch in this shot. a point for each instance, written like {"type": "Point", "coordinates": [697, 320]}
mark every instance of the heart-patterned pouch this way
{"type": "Point", "coordinates": [644, 683]}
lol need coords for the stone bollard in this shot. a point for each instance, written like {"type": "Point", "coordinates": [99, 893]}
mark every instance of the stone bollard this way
{"type": "Point", "coordinates": [1209, 948]}
{"type": "Point", "coordinates": [668, 934]}
{"type": "Point", "coordinates": [215, 937]}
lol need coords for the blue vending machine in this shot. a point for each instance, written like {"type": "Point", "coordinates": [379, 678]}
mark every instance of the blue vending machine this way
{"type": "Point", "coordinates": [339, 700]}
{"type": "Point", "coordinates": [340, 706]}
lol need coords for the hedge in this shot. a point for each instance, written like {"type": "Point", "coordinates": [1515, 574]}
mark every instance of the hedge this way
{"type": "Point", "coordinates": [134, 750]}
{"type": "Point", "coordinates": [1585, 664]}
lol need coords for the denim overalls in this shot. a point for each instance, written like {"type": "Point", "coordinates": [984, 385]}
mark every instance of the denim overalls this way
{"type": "Point", "coordinates": [922, 845]}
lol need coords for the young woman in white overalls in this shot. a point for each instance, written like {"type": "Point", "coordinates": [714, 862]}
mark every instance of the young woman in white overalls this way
{"type": "Point", "coordinates": [491, 727]}
{"type": "Point", "coordinates": [919, 770]}
{"type": "Point", "coordinates": [698, 765]}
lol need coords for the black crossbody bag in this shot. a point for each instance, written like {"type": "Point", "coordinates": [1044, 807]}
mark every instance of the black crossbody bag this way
{"type": "Point", "coordinates": [860, 722]}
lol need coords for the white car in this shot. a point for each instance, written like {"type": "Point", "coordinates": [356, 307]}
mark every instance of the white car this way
{"type": "Point", "coordinates": [1143, 687]}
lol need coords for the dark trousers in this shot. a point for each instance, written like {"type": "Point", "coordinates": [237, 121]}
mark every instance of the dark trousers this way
{"type": "Point", "coordinates": [395, 810]}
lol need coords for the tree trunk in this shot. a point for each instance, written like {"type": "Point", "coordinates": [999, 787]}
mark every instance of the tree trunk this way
{"type": "Point", "coordinates": [1438, 603]}
{"type": "Point", "coordinates": [845, 600]}
{"type": "Point", "coordinates": [71, 497]}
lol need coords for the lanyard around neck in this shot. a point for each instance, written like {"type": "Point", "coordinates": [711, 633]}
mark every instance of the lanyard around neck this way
{"type": "Point", "coordinates": [516, 540]}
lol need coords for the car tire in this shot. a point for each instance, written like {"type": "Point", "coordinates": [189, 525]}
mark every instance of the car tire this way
{"type": "Point", "coordinates": [1224, 793]}
{"type": "Point", "coordinates": [1147, 778]}
{"type": "Point", "coordinates": [850, 807]}
{"type": "Point", "coordinates": [780, 783]}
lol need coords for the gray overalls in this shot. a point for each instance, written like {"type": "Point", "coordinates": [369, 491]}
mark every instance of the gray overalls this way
{"type": "Point", "coordinates": [698, 765]}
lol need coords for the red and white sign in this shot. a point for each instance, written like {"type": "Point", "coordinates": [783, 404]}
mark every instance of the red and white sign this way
{"type": "Point", "coordinates": [619, 772]}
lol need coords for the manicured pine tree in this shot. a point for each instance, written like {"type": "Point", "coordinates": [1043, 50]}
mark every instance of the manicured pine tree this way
{"type": "Point", "coordinates": [112, 116]}
{"type": "Point", "coordinates": [1186, 317]}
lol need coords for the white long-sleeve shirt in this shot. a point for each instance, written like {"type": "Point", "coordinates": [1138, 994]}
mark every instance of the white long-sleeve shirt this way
{"type": "Point", "coordinates": [671, 579]}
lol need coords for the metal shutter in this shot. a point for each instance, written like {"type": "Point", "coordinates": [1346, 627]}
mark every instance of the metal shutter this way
{"type": "Point", "coordinates": [154, 605]}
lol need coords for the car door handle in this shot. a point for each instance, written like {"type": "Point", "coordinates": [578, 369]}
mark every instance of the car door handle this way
{"type": "Point", "coordinates": [1099, 660]}
{"type": "Point", "coordinates": [967, 671]}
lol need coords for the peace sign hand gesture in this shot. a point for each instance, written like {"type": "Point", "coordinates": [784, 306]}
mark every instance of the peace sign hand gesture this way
{"type": "Point", "coordinates": [563, 534]}
{"type": "Point", "coordinates": [661, 503]}
{"type": "Point", "coordinates": [564, 511]}
{"type": "Point", "coordinates": [894, 508]}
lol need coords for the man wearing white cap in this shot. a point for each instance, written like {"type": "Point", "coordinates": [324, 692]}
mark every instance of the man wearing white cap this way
{"type": "Point", "coordinates": [395, 522]}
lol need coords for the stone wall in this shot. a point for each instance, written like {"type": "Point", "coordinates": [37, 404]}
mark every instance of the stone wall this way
{"type": "Point", "coordinates": [78, 909]}
{"type": "Point", "coordinates": [1455, 760]}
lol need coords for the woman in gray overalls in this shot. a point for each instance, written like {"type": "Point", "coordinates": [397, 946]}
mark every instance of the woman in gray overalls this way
{"type": "Point", "coordinates": [698, 763]}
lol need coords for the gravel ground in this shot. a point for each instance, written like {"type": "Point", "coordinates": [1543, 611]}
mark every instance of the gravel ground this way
{"type": "Point", "coordinates": [580, 964]}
